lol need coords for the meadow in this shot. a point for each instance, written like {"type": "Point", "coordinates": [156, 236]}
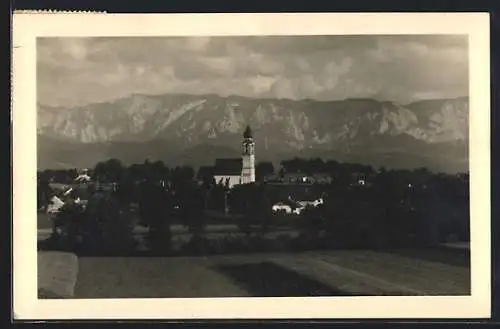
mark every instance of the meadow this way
{"type": "Point", "coordinates": [315, 273]}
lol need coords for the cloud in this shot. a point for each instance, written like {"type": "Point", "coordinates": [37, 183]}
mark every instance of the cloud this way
{"type": "Point", "coordinates": [76, 71]}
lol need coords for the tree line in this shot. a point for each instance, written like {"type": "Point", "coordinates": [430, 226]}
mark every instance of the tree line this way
{"type": "Point", "coordinates": [113, 170]}
{"type": "Point", "coordinates": [400, 207]}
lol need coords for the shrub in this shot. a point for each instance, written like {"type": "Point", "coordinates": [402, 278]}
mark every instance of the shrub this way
{"type": "Point", "coordinates": [159, 238]}
{"type": "Point", "coordinates": [197, 245]}
{"type": "Point", "coordinates": [109, 226]}
{"type": "Point", "coordinates": [117, 228]}
{"type": "Point", "coordinates": [68, 225]}
{"type": "Point", "coordinates": [244, 226]}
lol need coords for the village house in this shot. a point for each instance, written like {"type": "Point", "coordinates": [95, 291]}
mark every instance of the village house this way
{"type": "Point", "coordinates": [293, 198]}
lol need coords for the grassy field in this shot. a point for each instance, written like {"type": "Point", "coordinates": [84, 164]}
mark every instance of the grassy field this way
{"type": "Point", "coordinates": [57, 274]}
{"type": "Point", "coordinates": [43, 221]}
{"type": "Point", "coordinates": [268, 279]}
{"type": "Point", "coordinates": [151, 278]}
{"type": "Point", "coordinates": [334, 272]}
{"type": "Point", "coordinates": [358, 272]}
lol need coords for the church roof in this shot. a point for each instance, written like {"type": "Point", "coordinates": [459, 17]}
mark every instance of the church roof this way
{"type": "Point", "coordinates": [228, 166]}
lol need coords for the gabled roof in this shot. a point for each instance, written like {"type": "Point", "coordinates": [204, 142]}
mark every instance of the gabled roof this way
{"type": "Point", "coordinates": [55, 204]}
{"type": "Point", "coordinates": [228, 166]}
{"type": "Point", "coordinates": [82, 178]}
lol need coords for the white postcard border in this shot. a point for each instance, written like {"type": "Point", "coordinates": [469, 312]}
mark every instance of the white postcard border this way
{"type": "Point", "coordinates": [27, 27]}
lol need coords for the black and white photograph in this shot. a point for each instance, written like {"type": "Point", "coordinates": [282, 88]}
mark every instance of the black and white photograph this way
{"type": "Point", "coordinates": [215, 166]}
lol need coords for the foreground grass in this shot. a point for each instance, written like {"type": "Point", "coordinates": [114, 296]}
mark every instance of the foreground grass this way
{"type": "Point", "coordinates": [391, 273]}
{"type": "Point", "coordinates": [151, 278]}
{"type": "Point", "coordinates": [57, 274]}
{"type": "Point", "coordinates": [350, 272]}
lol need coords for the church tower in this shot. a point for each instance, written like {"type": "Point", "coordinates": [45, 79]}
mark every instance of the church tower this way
{"type": "Point", "coordinates": [248, 157]}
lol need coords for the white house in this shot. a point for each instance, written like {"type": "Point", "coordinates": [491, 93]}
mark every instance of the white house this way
{"type": "Point", "coordinates": [282, 207]}
{"type": "Point", "coordinates": [82, 178]}
{"type": "Point", "coordinates": [296, 207]}
{"type": "Point", "coordinates": [54, 205]}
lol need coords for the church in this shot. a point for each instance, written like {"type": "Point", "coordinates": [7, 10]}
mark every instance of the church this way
{"type": "Point", "coordinates": [237, 171]}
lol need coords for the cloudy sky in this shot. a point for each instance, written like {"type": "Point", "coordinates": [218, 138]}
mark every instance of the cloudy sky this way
{"type": "Point", "coordinates": [77, 71]}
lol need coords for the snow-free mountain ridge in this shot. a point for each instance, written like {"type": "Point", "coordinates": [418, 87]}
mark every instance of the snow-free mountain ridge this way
{"type": "Point", "coordinates": [195, 129]}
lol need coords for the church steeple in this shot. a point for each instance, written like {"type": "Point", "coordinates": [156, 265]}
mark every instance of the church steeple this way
{"type": "Point", "coordinates": [248, 132]}
{"type": "Point", "coordinates": [248, 157]}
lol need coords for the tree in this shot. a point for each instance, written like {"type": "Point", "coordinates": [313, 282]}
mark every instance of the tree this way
{"type": "Point", "coordinates": [206, 175]}
{"type": "Point", "coordinates": [241, 202]}
{"type": "Point", "coordinates": [109, 171]}
{"type": "Point", "coordinates": [263, 169]}
{"type": "Point", "coordinates": [67, 226]}
{"type": "Point", "coordinates": [421, 175]}
{"type": "Point", "coordinates": [159, 171]}
{"type": "Point", "coordinates": [192, 207]}
{"type": "Point", "coordinates": [104, 226]}
{"type": "Point", "coordinates": [343, 176]}
{"type": "Point", "coordinates": [72, 174]}
{"type": "Point", "coordinates": [312, 219]}
{"type": "Point", "coordinates": [237, 198]}
{"type": "Point", "coordinates": [44, 193]}
{"type": "Point", "coordinates": [156, 210]}
{"type": "Point", "coordinates": [332, 167]}
{"type": "Point", "coordinates": [112, 224]}
{"type": "Point", "coordinates": [263, 207]}
{"type": "Point", "coordinates": [135, 172]}
{"type": "Point", "coordinates": [315, 165]}
{"type": "Point", "coordinates": [281, 173]}
{"type": "Point", "coordinates": [182, 175]}
{"type": "Point", "coordinates": [294, 165]}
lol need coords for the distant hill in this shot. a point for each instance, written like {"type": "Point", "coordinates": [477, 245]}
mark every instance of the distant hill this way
{"type": "Point", "coordinates": [189, 129]}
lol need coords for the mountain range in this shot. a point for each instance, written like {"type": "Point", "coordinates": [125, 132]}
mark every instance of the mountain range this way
{"type": "Point", "coordinates": [196, 129]}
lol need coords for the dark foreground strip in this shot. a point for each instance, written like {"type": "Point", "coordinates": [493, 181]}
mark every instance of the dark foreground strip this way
{"type": "Point", "coordinates": [267, 279]}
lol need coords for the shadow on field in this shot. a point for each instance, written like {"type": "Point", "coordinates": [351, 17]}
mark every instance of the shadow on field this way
{"type": "Point", "coordinates": [266, 279]}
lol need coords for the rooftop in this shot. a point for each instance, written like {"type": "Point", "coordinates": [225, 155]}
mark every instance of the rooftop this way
{"type": "Point", "coordinates": [228, 166]}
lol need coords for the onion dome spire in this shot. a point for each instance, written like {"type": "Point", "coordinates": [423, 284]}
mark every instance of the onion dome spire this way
{"type": "Point", "coordinates": [248, 133]}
